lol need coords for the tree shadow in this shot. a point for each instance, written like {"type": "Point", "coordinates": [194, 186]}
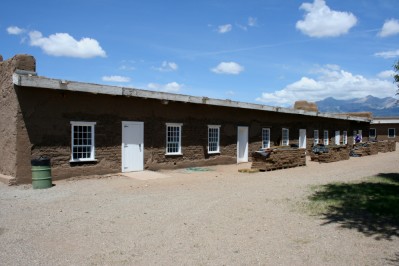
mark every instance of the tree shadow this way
{"type": "Point", "coordinates": [393, 261]}
{"type": "Point", "coordinates": [370, 207]}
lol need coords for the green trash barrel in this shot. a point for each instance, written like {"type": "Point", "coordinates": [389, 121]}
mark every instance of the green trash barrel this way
{"type": "Point", "coordinates": [41, 173]}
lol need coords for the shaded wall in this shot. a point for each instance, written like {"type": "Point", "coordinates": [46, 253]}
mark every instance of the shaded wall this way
{"type": "Point", "coordinates": [47, 115]}
{"type": "Point", "coordinates": [382, 131]}
{"type": "Point", "coordinates": [9, 110]}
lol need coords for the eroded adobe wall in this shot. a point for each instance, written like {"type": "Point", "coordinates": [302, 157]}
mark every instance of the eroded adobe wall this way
{"type": "Point", "coordinates": [9, 110]}
{"type": "Point", "coordinates": [382, 131]}
{"type": "Point", "coordinates": [48, 113]}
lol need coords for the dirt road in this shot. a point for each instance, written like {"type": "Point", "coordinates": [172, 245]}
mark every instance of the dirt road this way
{"type": "Point", "coordinates": [217, 217]}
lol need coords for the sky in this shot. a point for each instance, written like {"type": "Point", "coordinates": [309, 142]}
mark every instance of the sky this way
{"type": "Point", "coordinates": [269, 52]}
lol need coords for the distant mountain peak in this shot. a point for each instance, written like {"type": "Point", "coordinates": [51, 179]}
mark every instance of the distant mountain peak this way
{"type": "Point", "coordinates": [387, 106]}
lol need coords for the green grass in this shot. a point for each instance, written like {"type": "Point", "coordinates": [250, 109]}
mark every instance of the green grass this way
{"type": "Point", "coordinates": [370, 206]}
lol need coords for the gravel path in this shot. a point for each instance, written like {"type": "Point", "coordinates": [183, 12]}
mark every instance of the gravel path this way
{"type": "Point", "coordinates": [218, 217]}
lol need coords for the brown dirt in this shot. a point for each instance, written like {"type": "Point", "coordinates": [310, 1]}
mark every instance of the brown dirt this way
{"type": "Point", "coordinates": [216, 217]}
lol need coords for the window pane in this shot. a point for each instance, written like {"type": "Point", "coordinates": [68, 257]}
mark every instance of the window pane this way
{"type": "Point", "coordinates": [82, 142]}
{"type": "Point", "coordinates": [391, 132]}
{"type": "Point", "coordinates": [265, 138]}
{"type": "Point", "coordinates": [213, 139]}
{"type": "Point", "coordinates": [173, 139]}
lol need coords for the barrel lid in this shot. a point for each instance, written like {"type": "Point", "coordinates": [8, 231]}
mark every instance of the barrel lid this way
{"type": "Point", "coordinates": [41, 161]}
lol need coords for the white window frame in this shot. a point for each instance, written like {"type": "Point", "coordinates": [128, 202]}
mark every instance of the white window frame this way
{"type": "Point", "coordinates": [316, 137]}
{"type": "Point", "coordinates": [394, 132]}
{"type": "Point", "coordinates": [344, 137]}
{"type": "Point", "coordinates": [218, 139]}
{"type": "Point", "coordinates": [178, 152]}
{"type": "Point", "coordinates": [285, 138]}
{"type": "Point", "coordinates": [325, 137]}
{"type": "Point", "coordinates": [265, 138]}
{"type": "Point", "coordinates": [92, 145]}
{"type": "Point", "coordinates": [360, 132]}
{"type": "Point", "coordinates": [354, 136]}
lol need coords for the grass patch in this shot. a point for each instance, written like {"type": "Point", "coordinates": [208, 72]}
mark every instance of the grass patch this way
{"type": "Point", "coordinates": [371, 206]}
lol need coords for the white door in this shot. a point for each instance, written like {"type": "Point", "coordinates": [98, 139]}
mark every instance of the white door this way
{"type": "Point", "coordinates": [337, 137]}
{"type": "Point", "coordinates": [132, 146]}
{"type": "Point", "coordinates": [302, 138]}
{"type": "Point", "coordinates": [242, 144]}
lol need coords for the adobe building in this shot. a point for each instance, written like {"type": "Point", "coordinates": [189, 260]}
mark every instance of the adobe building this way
{"type": "Point", "coordinates": [88, 129]}
{"type": "Point", "coordinates": [384, 128]}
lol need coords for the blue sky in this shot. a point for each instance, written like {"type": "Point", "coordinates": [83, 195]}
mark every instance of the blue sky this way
{"type": "Point", "coordinates": [271, 52]}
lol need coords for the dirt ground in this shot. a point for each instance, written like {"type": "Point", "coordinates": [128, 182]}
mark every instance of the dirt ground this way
{"type": "Point", "coordinates": [183, 217]}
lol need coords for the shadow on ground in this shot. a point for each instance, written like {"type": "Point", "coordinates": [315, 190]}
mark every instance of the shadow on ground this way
{"type": "Point", "coordinates": [394, 261]}
{"type": "Point", "coordinates": [370, 207]}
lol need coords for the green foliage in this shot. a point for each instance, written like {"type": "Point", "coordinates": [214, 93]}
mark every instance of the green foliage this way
{"type": "Point", "coordinates": [396, 75]}
{"type": "Point", "coordinates": [371, 206]}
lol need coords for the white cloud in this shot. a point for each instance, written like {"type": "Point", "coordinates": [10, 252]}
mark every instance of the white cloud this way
{"type": "Point", "coordinates": [127, 68]}
{"type": "Point", "coordinates": [63, 44]}
{"type": "Point", "coordinates": [387, 74]}
{"type": "Point", "coordinates": [167, 66]}
{"type": "Point", "coordinates": [116, 79]}
{"type": "Point", "coordinates": [224, 28]}
{"type": "Point", "coordinates": [390, 27]}
{"type": "Point", "coordinates": [169, 87]}
{"type": "Point", "coordinates": [14, 30]}
{"type": "Point", "coordinates": [252, 22]}
{"type": "Point", "coordinates": [388, 54]}
{"type": "Point", "coordinates": [231, 68]}
{"type": "Point", "coordinates": [320, 21]}
{"type": "Point", "coordinates": [330, 82]}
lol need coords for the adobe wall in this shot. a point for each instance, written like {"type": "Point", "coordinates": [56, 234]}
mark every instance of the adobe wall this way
{"type": "Point", "coordinates": [9, 110]}
{"type": "Point", "coordinates": [382, 131]}
{"type": "Point", "coordinates": [48, 113]}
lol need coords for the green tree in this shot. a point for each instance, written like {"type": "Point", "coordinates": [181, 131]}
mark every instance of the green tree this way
{"type": "Point", "coordinates": [396, 75]}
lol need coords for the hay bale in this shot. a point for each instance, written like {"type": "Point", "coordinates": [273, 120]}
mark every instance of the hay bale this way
{"type": "Point", "coordinates": [278, 158]}
{"type": "Point", "coordinates": [333, 153]}
{"type": "Point", "coordinates": [306, 106]}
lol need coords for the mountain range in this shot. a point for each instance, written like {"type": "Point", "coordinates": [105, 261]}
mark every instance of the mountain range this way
{"type": "Point", "coordinates": [379, 107]}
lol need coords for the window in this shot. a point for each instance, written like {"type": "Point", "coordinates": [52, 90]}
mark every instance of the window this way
{"type": "Point", "coordinates": [360, 132]}
{"type": "Point", "coordinates": [372, 133]}
{"type": "Point", "coordinates": [82, 139]}
{"type": "Point", "coordinates": [391, 132]}
{"type": "Point", "coordinates": [345, 137]}
{"type": "Point", "coordinates": [285, 138]}
{"type": "Point", "coordinates": [173, 139]}
{"type": "Point", "coordinates": [316, 137]}
{"type": "Point", "coordinates": [265, 138]}
{"type": "Point", "coordinates": [213, 139]}
{"type": "Point", "coordinates": [354, 136]}
{"type": "Point", "coordinates": [325, 137]}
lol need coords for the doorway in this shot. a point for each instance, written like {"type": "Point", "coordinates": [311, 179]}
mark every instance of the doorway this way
{"type": "Point", "coordinates": [132, 146]}
{"type": "Point", "coordinates": [302, 138]}
{"type": "Point", "coordinates": [242, 144]}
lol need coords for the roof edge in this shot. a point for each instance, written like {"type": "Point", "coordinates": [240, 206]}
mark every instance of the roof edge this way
{"type": "Point", "coordinates": [23, 80]}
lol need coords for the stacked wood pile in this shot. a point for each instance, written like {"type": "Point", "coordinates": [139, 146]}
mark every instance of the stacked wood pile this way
{"type": "Point", "coordinates": [329, 154]}
{"type": "Point", "coordinates": [387, 146]}
{"type": "Point", "coordinates": [278, 158]}
{"type": "Point", "coordinates": [364, 149]}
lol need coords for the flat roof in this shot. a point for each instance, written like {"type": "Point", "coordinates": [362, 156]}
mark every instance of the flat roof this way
{"type": "Point", "coordinates": [30, 79]}
{"type": "Point", "coordinates": [385, 120]}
